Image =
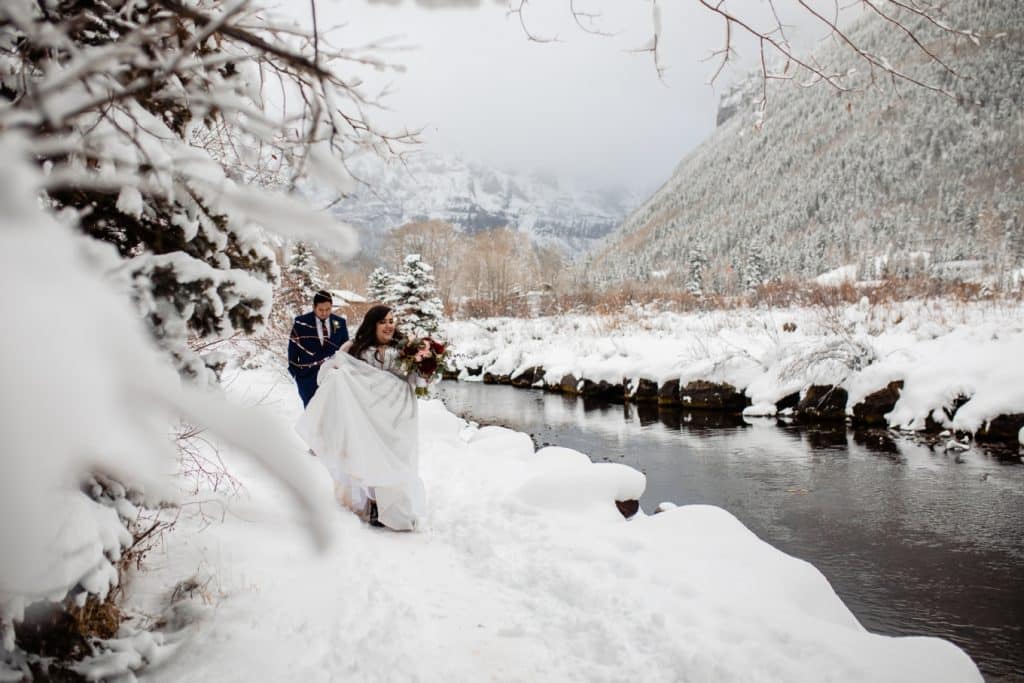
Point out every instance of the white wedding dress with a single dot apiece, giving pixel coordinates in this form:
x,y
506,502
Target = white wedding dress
x,y
362,423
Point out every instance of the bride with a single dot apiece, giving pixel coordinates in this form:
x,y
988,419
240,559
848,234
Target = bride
x,y
362,422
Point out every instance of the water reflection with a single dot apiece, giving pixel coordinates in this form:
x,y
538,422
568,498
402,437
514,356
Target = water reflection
x,y
915,541
876,441
828,436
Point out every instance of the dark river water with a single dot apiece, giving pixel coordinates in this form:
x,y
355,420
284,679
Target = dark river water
x,y
915,541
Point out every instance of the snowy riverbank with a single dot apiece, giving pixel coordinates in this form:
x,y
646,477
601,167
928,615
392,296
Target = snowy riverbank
x,y
525,570
960,364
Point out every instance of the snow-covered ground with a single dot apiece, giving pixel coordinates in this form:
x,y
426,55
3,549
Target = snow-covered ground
x,y
523,571
940,349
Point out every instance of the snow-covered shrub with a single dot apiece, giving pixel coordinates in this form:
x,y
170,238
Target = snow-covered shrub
x,y
828,360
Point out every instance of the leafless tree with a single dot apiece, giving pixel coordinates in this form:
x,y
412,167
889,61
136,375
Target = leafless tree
x,y
498,267
437,242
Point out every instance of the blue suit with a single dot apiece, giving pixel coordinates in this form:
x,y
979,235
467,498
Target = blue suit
x,y
306,353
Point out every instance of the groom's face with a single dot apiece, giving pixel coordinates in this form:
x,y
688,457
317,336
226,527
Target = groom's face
x,y
322,310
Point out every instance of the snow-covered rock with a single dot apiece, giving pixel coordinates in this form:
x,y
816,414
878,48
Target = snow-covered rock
x,y
950,356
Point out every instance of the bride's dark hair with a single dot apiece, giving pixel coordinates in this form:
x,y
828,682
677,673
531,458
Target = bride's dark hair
x,y
366,335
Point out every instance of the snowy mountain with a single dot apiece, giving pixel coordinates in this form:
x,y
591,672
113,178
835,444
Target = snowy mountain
x,y
833,179
473,198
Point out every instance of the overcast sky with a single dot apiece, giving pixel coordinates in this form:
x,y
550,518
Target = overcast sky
x,y
583,108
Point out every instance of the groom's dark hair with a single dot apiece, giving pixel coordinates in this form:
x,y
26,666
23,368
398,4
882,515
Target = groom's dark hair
x,y
323,296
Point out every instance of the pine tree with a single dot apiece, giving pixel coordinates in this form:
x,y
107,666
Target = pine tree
x,y
302,278
1014,238
695,281
378,288
866,266
753,268
415,299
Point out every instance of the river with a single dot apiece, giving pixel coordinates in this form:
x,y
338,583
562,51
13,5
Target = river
x,y
915,540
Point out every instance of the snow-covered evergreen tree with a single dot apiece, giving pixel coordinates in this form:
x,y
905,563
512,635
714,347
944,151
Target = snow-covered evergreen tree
x,y
1014,236
414,297
695,280
302,278
753,268
378,286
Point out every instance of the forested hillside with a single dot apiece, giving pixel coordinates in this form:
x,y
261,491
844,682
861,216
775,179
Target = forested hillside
x,y
897,180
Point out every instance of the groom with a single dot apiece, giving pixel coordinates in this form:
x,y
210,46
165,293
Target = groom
x,y
315,337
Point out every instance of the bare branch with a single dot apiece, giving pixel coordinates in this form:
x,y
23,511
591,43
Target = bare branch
x,y
910,34
589,17
316,33
726,53
288,57
774,40
518,12
766,39
872,59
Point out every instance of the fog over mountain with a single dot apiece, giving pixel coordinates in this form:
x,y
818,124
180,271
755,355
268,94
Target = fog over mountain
x,y
473,197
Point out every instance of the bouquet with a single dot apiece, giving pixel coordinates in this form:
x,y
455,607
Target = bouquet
x,y
424,356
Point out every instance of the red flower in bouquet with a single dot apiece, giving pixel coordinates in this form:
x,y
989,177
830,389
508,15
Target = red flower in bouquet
x,y
424,355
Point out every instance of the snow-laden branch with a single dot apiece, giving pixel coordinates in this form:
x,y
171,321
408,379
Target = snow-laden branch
x,y
94,399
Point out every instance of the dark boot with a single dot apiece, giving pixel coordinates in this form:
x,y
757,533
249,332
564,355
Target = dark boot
x,y
373,514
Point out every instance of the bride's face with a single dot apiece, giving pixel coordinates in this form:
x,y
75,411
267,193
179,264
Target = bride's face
x,y
386,329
